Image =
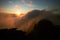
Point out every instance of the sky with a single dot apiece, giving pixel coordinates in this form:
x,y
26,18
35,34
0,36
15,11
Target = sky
x,y
26,5
32,17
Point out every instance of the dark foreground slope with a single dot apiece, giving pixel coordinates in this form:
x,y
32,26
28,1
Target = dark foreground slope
x,y
45,30
12,34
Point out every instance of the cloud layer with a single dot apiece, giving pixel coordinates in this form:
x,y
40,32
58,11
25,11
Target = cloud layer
x,y
27,22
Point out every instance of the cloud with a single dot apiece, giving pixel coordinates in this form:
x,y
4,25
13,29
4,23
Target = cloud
x,y
14,9
17,8
30,4
29,20
7,21
23,1
11,2
2,9
33,14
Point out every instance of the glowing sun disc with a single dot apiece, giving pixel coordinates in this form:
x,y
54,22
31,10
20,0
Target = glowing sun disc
x,y
18,13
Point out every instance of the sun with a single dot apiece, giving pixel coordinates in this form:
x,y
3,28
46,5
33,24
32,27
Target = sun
x,y
18,13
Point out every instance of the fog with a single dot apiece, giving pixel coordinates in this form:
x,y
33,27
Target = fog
x,y
27,22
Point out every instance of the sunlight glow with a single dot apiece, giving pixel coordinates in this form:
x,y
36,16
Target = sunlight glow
x,y
18,13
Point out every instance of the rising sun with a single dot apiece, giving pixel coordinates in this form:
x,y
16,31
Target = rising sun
x,y
18,13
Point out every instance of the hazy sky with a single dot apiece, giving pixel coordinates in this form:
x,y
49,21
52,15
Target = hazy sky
x,y
25,5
